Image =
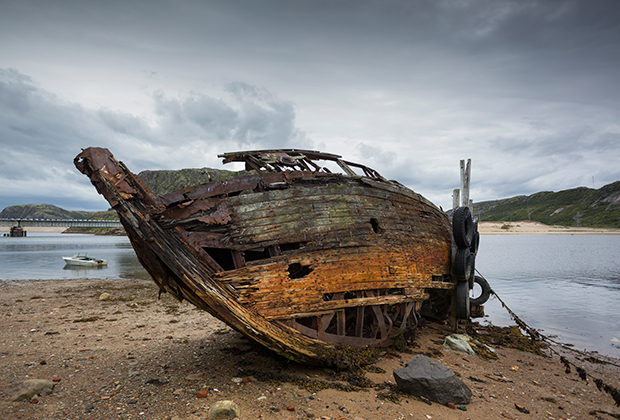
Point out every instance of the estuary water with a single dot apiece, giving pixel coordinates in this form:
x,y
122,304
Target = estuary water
x,y
39,256
564,285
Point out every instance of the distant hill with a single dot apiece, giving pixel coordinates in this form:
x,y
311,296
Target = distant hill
x,y
160,182
48,211
578,206
163,182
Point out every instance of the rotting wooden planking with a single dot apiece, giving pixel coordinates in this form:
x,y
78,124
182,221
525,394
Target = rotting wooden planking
x,y
294,256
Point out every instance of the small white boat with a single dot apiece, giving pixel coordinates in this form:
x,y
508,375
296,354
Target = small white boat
x,y
84,260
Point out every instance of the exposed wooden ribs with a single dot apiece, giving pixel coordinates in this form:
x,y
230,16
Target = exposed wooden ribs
x,y
328,307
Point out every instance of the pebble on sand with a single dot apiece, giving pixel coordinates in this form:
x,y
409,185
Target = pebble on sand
x,y
26,389
105,297
223,410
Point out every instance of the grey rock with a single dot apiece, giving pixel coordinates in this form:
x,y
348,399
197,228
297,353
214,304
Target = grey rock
x,y
223,410
25,390
195,377
45,392
424,377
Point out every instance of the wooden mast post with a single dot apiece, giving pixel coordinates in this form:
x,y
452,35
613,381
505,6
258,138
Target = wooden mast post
x,y
465,180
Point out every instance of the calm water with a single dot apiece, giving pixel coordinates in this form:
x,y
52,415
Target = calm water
x,y
564,285
39,256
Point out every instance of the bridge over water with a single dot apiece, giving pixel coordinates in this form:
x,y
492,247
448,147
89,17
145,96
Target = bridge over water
x,y
17,224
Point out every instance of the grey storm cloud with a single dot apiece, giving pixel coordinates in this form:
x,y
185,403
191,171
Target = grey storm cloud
x,y
255,116
34,123
41,134
528,89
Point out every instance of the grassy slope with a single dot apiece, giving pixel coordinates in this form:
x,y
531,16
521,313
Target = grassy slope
x,y
594,208
48,211
163,182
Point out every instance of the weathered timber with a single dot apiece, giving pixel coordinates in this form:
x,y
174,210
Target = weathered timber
x,y
293,255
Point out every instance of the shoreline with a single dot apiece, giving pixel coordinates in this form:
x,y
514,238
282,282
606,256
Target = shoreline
x,y
526,227
48,229
67,230
134,356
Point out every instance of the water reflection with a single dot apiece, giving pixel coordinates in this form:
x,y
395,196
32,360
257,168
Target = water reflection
x,y
83,271
565,285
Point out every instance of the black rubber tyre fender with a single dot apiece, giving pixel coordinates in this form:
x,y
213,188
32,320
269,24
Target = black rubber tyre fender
x,y
472,274
462,227
485,294
462,300
475,243
463,261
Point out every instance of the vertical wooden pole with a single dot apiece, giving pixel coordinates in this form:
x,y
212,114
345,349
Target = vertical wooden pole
x,y
465,180
456,198
462,181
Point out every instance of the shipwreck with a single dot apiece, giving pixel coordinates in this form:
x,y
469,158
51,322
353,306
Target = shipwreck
x,y
295,255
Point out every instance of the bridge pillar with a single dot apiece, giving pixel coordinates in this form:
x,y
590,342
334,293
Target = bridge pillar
x,y
17,232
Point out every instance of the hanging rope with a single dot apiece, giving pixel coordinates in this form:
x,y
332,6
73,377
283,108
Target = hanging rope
x,y
535,335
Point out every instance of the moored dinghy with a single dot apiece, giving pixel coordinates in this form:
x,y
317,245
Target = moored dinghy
x,y
83,260
293,255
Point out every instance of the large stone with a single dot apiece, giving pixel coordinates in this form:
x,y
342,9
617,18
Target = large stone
x,y
424,377
26,389
223,410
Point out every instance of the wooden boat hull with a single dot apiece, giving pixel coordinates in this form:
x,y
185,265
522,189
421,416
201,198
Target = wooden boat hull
x,y
298,260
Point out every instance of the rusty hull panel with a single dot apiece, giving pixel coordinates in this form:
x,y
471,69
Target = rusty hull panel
x,y
295,259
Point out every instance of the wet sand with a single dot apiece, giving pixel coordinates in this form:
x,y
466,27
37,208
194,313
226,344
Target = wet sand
x,y
37,229
134,356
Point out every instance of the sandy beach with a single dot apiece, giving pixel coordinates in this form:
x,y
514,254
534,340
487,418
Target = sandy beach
x,y
528,227
133,356
4,229
485,228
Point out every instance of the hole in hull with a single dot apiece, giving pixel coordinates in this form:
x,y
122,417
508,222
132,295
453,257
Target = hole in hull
x,y
374,223
297,271
290,246
256,254
222,256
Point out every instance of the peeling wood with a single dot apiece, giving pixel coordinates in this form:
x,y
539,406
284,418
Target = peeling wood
x,y
294,256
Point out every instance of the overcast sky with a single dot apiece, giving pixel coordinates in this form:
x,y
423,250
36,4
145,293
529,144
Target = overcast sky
x,y
529,90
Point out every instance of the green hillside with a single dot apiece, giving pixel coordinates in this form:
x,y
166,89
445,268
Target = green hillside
x,y
48,211
578,206
575,207
163,182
